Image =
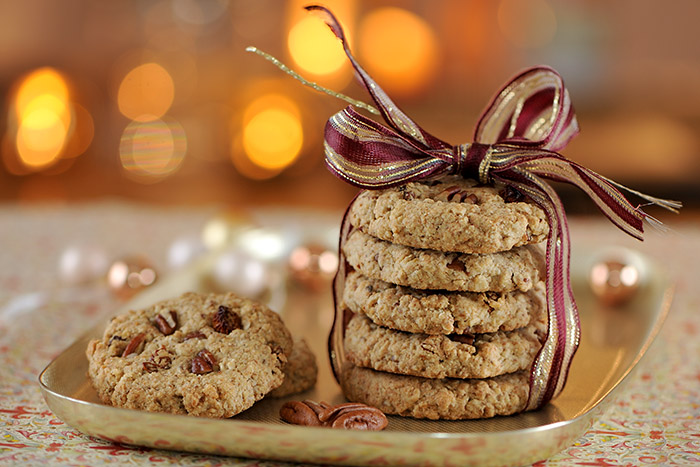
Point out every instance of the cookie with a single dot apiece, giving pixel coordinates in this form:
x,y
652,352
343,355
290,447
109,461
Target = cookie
x,y
516,269
300,372
450,214
430,312
449,399
205,355
438,356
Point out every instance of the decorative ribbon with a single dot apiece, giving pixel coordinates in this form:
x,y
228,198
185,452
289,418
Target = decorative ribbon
x,y
515,144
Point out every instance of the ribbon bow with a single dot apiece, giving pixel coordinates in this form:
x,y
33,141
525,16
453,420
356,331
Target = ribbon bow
x,y
515,144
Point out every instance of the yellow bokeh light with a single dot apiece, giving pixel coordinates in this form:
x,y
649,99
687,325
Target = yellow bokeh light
x,y
40,138
272,133
152,150
314,48
43,117
42,88
399,48
146,93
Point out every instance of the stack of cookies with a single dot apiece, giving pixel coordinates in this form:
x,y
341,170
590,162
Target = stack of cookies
x,y
447,300
211,355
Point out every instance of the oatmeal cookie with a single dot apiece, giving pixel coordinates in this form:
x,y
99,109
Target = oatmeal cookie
x,y
450,214
449,399
205,355
430,312
300,373
516,269
437,356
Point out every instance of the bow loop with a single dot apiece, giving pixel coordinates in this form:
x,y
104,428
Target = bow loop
x,y
534,109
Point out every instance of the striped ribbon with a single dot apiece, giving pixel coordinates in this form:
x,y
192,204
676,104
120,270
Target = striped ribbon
x,y
515,144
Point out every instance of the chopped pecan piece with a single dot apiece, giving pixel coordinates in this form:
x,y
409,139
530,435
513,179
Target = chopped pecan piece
x,y
203,362
457,265
511,195
465,338
134,344
166,324
225,320
160,360
195,335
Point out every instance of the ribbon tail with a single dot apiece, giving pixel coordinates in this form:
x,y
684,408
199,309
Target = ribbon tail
x,y
602,191
551,366
391,113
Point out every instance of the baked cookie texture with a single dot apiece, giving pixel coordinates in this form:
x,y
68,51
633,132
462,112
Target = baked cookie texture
x,y
450,214
205,355
440,312
300,373
448,399
517,269
454,356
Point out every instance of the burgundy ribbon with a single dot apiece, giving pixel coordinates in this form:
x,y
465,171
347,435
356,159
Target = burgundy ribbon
x,y
515,143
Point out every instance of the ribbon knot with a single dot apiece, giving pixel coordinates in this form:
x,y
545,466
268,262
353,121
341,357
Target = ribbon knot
x,y
515,144
473,160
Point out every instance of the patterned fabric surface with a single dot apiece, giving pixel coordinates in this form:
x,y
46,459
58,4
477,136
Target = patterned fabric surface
x,y
655,421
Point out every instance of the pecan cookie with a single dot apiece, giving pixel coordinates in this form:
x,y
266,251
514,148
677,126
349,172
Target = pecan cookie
x,y
449,399
431,312
300,373
450,214
206,355
437,356
516,269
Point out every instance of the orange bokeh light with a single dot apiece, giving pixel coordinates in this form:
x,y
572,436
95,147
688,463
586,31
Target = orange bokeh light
x,y
399,48
146,93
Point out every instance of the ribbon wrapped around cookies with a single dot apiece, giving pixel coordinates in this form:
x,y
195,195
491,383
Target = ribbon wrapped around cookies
x,y
515,144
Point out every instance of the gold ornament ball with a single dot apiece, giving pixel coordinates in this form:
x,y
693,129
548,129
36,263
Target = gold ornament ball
x,y
312,266
614,282
129,275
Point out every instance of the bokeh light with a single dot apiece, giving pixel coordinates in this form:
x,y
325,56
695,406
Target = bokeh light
x,y
42,116
272,133
399,48
314,48
150,151
146,93
527,24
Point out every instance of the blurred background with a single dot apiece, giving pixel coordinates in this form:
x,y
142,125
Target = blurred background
x,y
157,100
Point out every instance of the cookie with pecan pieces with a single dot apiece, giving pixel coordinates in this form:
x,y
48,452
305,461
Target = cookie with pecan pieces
x,y
517,269
450,214
445,399
205,355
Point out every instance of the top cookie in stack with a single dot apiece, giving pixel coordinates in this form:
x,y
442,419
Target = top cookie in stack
x,y
447,297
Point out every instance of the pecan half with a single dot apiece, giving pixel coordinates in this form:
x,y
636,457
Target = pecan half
x,y
352,415
134,344
166,324
225,320
360,418
299,413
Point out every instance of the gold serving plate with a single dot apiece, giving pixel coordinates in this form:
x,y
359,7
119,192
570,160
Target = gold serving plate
x,y
612,343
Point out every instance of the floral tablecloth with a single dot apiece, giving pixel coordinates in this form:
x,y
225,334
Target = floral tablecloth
x,y
656,420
